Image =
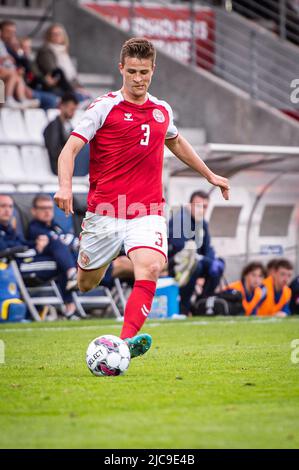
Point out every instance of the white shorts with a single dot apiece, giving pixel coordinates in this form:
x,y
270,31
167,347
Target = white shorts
x,y
102,238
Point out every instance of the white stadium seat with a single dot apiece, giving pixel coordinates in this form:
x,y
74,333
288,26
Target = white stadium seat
x,y
3,139
78,187
50,188
36,121
13,126
7,188
52,114
28,188
36,163
11,165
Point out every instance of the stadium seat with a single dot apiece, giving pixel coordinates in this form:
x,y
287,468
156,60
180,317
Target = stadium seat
x,y
52,114
11,164
28,188
36,163
98,298
7,188
78,186
36,294
13,126
35,120
3,139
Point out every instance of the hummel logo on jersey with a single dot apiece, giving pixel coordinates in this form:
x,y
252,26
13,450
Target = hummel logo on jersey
x,y
128,117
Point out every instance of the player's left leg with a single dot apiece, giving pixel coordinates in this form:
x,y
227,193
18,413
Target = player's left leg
x,y
146,246
148,265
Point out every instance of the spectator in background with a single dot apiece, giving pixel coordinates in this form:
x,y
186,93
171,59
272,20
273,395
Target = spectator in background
x,y
278,294
36,86
191,256
54,61
57,133
15,88
41,86
270,268
250,286
294,305
43,259
61,244
58,244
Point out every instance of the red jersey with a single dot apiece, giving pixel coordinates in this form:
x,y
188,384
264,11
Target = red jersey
x,y
126,154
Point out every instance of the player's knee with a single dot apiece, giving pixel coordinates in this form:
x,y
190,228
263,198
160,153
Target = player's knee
x,y
85,285
154,270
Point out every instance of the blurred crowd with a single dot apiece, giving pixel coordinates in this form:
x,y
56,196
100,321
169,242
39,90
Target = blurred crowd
x,y
260,290
37,79
46,250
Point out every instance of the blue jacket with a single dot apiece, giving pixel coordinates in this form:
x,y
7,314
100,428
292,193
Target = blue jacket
x,y
182,227
9,238
53,231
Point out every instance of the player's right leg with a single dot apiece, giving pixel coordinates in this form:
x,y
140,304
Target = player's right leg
x,y
100,243
89,279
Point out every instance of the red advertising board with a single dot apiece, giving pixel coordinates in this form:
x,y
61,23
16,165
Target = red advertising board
x,y
170,28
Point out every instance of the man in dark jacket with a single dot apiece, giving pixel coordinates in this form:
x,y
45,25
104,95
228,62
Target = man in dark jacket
x,y
58,244
43,258
191,255
57,133
64,245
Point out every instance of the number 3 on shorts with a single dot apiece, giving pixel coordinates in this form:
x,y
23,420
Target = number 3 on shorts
x,y
159,241
146,128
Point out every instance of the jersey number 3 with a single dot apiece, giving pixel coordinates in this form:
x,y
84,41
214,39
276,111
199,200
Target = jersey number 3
x,y
146,128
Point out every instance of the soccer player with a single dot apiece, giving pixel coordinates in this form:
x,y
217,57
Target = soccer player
x,y
127,130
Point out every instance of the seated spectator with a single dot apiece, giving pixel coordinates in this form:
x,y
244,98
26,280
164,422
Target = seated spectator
x,y
294,305
44,259
253,293
57,133
15,88
20,53
278,294
61,246
270,268
54,61
41,86
191,255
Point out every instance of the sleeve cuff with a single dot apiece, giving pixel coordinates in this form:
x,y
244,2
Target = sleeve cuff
x,y
171,138
80,137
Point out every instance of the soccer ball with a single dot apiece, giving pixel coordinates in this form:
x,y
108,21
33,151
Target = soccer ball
x,y
108,355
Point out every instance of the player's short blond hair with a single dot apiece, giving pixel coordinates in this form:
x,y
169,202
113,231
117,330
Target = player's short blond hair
x,y
138,47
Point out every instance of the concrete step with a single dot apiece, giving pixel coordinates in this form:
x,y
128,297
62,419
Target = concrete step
x,y
195,136
96,79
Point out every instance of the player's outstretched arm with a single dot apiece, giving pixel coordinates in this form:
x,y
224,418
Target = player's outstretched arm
x,y
64,195
181,148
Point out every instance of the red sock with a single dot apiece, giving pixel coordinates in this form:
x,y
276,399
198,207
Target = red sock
x,y
138,307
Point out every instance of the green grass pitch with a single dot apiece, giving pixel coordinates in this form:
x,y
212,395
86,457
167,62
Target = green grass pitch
x,y
215,383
